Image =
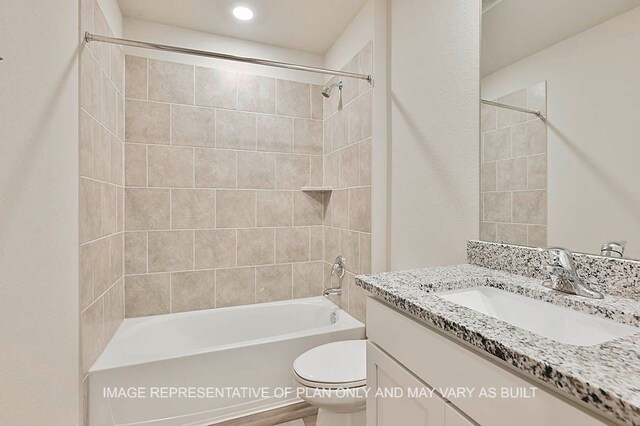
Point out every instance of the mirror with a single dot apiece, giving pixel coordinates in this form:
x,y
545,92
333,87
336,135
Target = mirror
x,y
570,176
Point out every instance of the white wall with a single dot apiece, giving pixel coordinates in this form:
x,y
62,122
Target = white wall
x,y
593,109
113,15
434,90
164,34
39,333
352,39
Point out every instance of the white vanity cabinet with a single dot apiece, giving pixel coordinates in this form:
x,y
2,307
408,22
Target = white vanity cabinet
x,y
405,353
386,407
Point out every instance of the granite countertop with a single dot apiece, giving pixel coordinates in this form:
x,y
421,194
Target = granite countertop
x,y
605,376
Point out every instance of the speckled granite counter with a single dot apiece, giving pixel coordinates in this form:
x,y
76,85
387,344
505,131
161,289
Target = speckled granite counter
x,y
605,376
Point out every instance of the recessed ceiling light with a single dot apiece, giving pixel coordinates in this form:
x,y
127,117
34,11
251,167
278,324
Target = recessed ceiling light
x,y
243,13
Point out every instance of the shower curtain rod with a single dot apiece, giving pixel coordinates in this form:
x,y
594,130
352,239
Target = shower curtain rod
x,y
515,108
88,37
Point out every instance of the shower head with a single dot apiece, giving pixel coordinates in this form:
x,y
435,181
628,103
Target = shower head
x,y
326,90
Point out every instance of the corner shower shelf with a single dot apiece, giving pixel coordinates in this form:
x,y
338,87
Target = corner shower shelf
x,y
316,188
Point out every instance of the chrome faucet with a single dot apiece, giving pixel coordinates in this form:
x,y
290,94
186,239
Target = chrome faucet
x,y
613,249
563,276
338,268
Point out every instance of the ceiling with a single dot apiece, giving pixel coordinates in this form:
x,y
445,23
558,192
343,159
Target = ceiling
x,y
515,29
306,25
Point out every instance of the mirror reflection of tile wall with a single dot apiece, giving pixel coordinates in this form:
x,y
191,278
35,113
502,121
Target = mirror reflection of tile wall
x,y
513,171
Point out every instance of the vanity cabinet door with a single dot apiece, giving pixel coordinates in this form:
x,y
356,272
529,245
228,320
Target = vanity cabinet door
x,y
385,375
453,417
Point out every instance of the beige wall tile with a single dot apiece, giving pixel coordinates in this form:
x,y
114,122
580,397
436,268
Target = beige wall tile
x,y
120,209
316,172
350,249
87,267
215,248
109,99
316,243
365,161
85,145
120,117
511,233
235,287
511,174
170,251
497,206
135,164
171,82
497,145
537,171
316,102
193,208
360,209
101,50
537,235
116,161
332,169
292,171
147,295
307,208
90,212
488,118
146,122
331,244
307,279
488,231
102,272
488,176
235,129
274,208
193,126
339,129
349,166
365,253
256,170
216,88
135,252
275,133
351,88
339,202
308,136
146,208
357,300
235,209
530,138
255,246
192,291
360,118
116,254
101,152
507,117
327,143
273,283
294,99
215,168
109,206
136,77
113,309
530,207
170,166
91,334
256,93
292,245
90,85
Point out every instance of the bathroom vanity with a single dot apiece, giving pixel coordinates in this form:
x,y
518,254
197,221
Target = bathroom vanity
x,y
453,332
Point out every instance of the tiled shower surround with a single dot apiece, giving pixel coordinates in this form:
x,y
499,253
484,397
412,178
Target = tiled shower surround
x,y
214,165
513,177
101,190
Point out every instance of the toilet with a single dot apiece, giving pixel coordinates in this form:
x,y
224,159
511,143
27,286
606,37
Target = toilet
x,y
333,377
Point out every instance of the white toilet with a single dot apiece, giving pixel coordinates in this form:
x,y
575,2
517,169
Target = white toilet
x,y
334,377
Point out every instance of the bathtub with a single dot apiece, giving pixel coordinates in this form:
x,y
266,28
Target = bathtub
x,y
202,367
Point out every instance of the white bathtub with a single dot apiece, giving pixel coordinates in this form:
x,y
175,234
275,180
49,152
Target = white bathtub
x,y
206,353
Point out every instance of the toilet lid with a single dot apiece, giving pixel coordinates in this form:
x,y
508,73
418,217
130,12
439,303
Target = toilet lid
x,y
338,363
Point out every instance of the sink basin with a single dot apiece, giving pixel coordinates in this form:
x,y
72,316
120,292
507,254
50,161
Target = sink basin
x,y
545,319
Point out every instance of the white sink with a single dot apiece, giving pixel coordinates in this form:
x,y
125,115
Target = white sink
x,y
545,319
